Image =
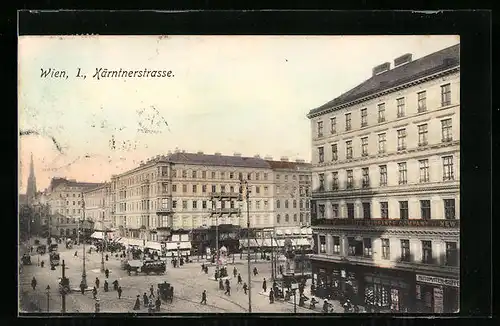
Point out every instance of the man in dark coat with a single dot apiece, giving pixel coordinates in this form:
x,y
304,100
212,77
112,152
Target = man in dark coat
x,y
204,297
245,288
271,296
264,285
137,305
120,292
239,278
145,299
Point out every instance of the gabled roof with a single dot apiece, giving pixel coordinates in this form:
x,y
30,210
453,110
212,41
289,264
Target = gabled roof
x,y
217,160
428,65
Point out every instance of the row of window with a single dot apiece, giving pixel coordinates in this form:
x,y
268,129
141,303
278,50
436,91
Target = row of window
x,y
364,248
446,133
302,203
303,218
423,166
68,211
425,210
401,111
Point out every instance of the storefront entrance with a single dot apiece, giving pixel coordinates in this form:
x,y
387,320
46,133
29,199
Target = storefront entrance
x,y
436,294
386,293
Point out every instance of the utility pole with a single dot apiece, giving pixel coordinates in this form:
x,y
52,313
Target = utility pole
x,y
48,298
102,248
63,292
84,274
247,197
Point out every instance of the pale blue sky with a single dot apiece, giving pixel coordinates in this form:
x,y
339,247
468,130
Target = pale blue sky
x,y
247,94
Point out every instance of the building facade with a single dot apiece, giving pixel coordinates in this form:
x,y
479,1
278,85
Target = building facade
x,y
385,178
181,192
64,198
97,206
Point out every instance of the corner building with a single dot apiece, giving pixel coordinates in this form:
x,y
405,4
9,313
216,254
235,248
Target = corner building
x,y
385,201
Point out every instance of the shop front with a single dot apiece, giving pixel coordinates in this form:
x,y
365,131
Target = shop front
x,y
436,294
375,288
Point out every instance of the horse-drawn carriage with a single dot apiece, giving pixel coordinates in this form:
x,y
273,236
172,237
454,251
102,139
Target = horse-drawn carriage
x,y
26,259
166,292
147,267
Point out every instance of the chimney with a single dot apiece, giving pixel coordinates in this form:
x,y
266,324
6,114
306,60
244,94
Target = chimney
x,y
405,58
269,158
237,154
200,152
256,156
381,68
284,159
217,153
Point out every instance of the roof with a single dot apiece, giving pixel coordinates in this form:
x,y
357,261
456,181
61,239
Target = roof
x,y
55,182
217,160
425,66
98,187
279,165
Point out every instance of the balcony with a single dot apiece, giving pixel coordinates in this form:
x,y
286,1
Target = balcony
x,y
164,210
229,211
145,181
387,222
228,195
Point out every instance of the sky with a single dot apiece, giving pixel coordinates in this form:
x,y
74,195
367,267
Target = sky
x,y
227,94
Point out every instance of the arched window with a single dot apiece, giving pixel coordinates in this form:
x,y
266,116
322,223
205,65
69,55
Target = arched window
x,y
287,218
278,205
278,218
286,203
294,204
295,217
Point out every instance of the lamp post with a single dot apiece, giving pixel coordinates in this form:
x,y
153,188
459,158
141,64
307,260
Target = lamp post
x,y
294,287
247,197
84,274
48,298
214,207
102,247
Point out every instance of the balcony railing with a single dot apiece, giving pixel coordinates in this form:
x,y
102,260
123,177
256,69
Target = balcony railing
x,y
387,222
224,195
164,210
224,210
145,181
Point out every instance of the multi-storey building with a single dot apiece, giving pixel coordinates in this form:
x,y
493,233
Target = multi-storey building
x,y
97,205
178,192
65,199
385,202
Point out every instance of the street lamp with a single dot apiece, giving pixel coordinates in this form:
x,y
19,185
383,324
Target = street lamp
x,y
102,247
294,287
247,197
48,297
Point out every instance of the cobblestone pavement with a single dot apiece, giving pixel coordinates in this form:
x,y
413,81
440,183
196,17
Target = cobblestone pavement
x,y
188,282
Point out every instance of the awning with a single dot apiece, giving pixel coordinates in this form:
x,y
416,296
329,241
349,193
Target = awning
x,y
296,231
309,231
181,245
97,235
244,243
288,232
281,242
266,243
117,240
131,242
279,232
303,242
153,245
303,231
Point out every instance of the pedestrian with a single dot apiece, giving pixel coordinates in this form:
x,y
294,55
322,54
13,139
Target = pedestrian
x,y
76,254
203,267
82,287
206,269
235,272
158,304
33,283
94,292
106,272
245,287
119,292
271,296
145,298
151,307
107,257
221,285
97,282
228,290
97,306
255,272
106,286
115,285
204,297
227,282
326,305
239,278
264,285
137,305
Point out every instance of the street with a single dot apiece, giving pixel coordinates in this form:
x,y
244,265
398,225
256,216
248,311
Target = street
x,y
188,282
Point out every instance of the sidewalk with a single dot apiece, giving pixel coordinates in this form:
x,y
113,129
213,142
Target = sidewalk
x,y
337,306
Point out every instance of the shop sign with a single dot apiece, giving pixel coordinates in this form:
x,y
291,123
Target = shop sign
x,y
437,280
342,273
438,300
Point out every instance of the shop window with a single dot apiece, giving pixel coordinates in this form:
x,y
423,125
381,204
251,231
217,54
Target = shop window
x,y
322,241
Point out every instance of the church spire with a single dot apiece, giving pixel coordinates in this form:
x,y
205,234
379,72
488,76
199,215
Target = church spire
x,y
31,186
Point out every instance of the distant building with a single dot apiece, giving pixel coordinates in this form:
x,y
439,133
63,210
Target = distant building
x,y
31,185
98,206
173,193
386,187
